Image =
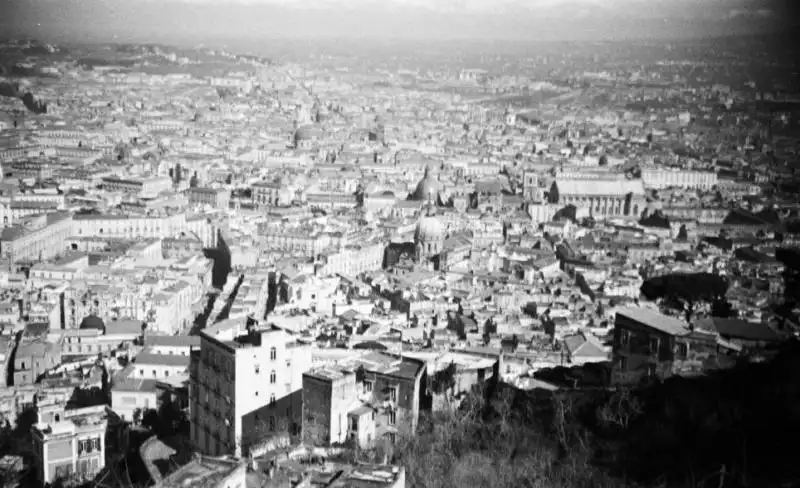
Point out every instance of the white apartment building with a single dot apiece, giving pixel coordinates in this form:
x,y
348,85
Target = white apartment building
x,y
246,386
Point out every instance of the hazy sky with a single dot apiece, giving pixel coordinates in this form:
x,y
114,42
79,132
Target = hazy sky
x,y
215,20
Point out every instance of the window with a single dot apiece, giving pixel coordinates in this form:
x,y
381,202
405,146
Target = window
x,y
655,345
392,417
682,351
141,372
272,400
154,373
368,386
623,363
258,369
651,370
63,471
393,394
288,363
273,377
273,354
392,437
624,337
271,422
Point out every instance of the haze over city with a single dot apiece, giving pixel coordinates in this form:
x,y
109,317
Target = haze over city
x,y
243,21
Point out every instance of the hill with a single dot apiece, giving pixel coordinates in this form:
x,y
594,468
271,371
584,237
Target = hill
x,y
734,428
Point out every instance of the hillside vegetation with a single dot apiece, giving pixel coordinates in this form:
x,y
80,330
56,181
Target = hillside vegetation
x,y
734,428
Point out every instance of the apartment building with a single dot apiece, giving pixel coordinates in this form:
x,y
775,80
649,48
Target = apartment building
x,y
246,386
664,178
650,345
367,399
36,238
353,259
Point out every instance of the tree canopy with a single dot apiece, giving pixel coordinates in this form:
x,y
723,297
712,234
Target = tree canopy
x,y
731,428
685,290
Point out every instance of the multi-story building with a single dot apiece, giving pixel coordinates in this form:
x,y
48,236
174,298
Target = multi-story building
x,y
308,242
610,198
35,355
37,238
149,186
353,259
130,227
213,197
366,399
648,344
68,443
246,386
6,350
267,194
663,178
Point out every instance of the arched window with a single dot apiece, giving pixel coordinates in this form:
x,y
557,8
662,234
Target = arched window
x,y
273,377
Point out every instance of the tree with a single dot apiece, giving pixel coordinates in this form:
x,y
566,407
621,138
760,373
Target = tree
x,y
686,291
137,416
723,308
603,160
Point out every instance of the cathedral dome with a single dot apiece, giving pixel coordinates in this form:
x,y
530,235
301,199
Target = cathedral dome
x,y
427,189
429,229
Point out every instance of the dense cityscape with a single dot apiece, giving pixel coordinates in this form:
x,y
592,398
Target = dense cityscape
x,y
522,267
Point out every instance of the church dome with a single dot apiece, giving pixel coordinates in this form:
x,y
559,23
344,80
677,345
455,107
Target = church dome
x,y
93,322
427,189
429,229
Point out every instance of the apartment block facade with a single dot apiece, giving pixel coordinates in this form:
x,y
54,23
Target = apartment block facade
x,y
246,387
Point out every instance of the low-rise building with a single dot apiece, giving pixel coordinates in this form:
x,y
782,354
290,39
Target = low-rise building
x,y
69,443
367,399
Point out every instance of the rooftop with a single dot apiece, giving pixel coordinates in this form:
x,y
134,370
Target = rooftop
x,y
374,362
656,320
203,471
